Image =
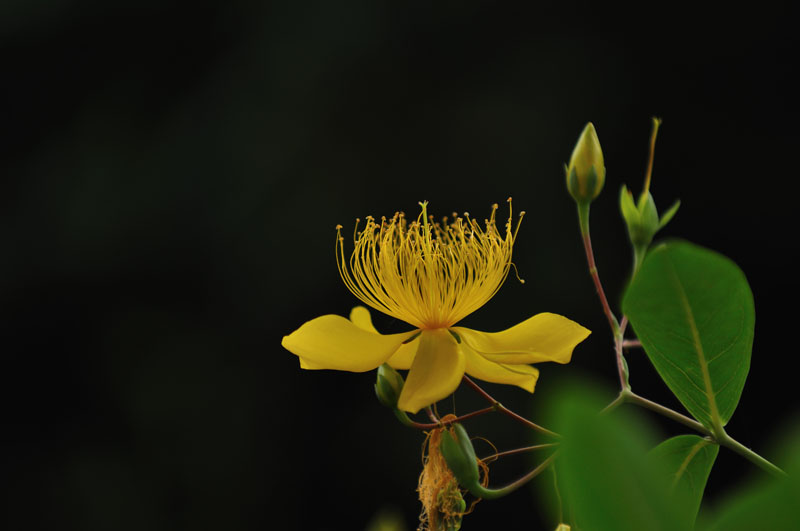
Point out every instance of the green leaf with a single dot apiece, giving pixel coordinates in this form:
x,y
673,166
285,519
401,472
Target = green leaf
x,y
687,459
767,503
693,311
609,482
769,506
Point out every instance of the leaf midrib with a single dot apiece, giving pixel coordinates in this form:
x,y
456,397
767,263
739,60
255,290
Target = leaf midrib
x,y
710,396
685,464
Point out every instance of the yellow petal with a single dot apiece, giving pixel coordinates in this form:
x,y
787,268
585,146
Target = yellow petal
x,y
309,365
333,342
361,317
404,357
543,337
435,373
523,376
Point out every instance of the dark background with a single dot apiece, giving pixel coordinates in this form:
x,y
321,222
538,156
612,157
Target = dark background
x,y
172,175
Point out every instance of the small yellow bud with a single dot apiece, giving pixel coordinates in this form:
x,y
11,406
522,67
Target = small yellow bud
x,y
586,172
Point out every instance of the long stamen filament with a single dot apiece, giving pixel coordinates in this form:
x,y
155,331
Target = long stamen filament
x,y
427,273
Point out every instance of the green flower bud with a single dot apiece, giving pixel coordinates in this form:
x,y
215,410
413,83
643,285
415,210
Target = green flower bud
x,y
388,385
586,172
642,220
460,457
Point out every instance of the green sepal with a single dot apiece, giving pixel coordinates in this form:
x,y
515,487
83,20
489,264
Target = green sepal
x,y
573,186
388,385
669,214
628,208
586,189
649,219
460,457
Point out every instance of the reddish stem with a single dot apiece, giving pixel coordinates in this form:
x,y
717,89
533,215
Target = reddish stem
x,y
519,451
587,246
501,408
441,423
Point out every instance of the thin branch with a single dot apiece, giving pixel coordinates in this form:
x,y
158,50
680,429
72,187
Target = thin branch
x,y
515,451
728,442
622,371
722,439
442,423
501,408
633,398
490,494
587,246
432,415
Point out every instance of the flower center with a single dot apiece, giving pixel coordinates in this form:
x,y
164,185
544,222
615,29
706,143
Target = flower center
x,y
426,273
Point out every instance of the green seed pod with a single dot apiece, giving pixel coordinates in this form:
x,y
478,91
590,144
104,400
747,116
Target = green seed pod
x,y
460,457
388,385
586,172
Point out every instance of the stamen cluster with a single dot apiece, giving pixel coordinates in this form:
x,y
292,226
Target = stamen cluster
x,y
427,273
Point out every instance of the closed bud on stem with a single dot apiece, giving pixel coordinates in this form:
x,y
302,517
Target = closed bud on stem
x,y
586,172
460,457
641,218
388,385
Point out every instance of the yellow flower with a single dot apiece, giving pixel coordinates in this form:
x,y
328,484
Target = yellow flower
x,y
431,276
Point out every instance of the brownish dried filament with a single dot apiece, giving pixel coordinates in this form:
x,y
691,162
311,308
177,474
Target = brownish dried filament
x,y
443,504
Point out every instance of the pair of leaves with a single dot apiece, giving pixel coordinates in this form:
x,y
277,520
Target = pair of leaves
x,y
612,481
692,310
771,502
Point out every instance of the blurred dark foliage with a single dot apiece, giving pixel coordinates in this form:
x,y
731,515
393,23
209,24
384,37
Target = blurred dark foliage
x,y
172,174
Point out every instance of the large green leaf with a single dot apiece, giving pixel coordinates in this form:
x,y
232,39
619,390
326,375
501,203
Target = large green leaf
x,y
692,309
608,481
687,459
772,505
769,502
